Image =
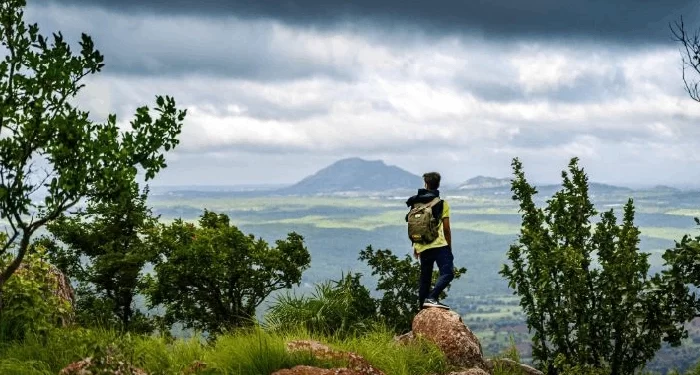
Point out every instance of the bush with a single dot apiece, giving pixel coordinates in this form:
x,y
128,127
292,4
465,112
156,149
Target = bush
x,y
35,300
60,347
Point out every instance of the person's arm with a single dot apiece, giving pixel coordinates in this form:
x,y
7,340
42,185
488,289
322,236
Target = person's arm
x,y
448,232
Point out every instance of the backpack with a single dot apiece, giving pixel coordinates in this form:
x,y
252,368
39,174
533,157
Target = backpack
x,y
422,225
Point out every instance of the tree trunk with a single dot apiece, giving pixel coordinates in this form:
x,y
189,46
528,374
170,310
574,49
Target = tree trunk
x,y
15,263
2,285
126,318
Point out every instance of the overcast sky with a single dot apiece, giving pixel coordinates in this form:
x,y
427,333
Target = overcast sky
x,y
276,90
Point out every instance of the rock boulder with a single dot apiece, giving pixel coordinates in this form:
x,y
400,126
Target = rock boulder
x,y
446,329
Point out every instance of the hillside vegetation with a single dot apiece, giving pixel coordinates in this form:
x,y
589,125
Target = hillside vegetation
x,y
246,352
92,278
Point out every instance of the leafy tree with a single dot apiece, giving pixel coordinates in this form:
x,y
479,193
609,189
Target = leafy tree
x,y
107,246
681,273
683,261
51,154
398,280
213,277
585,316
337,307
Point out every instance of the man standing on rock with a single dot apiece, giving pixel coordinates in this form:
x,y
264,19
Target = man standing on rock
x,y
429,231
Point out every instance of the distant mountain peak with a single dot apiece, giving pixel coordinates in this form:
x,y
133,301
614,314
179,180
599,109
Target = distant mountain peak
x,y
355,162
355,174
484,182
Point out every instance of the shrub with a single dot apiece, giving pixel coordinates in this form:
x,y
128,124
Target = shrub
x,y
36,300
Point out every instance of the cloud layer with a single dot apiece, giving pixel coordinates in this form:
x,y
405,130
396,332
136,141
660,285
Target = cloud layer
x,y
619,19
272,101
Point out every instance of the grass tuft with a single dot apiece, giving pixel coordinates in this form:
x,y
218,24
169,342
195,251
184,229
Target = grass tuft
x,y
249,352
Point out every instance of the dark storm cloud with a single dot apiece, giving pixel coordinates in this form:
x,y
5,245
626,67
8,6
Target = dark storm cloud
x,y
633,20
149,45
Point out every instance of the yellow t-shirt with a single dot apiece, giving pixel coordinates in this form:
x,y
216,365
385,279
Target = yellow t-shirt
x,y
440,241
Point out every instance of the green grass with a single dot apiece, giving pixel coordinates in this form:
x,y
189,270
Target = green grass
x,y
47,355
379,348
247,352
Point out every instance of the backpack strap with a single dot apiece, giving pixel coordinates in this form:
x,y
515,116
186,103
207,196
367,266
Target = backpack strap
x,y
433,202
430,204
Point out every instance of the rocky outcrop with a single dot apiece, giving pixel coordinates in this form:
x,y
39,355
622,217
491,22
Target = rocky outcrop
x,y
110,365
356,363
57,283
446,329
471,371
195,367
512,366
461,347
309,370
105,366
405,338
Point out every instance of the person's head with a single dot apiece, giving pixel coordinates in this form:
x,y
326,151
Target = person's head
x,y
432,180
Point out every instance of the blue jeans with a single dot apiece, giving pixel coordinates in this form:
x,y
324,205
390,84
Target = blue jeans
x,y
444,259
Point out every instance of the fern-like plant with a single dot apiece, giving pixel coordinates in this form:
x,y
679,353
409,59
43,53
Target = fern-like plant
x,y
336,307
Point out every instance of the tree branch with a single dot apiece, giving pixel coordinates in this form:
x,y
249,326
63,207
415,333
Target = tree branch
x,y
65,95
27,232
43,181
9,242
691,47
14,265
10,80
64,206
